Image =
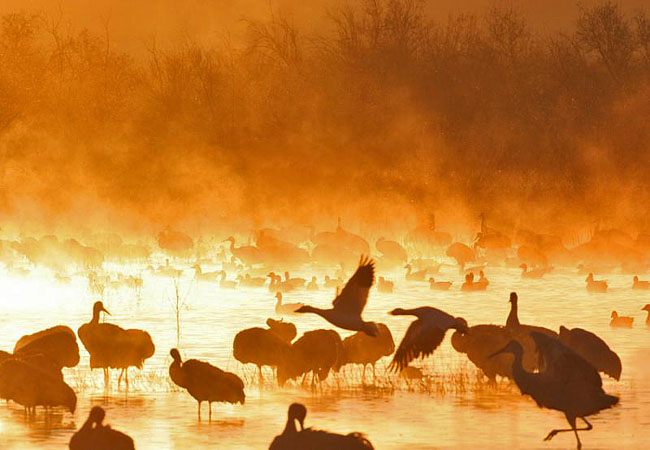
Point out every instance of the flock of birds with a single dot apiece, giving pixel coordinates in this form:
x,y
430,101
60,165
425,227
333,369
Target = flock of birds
x,y
558,370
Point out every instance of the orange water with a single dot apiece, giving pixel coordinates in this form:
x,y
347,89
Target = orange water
x,y
158,416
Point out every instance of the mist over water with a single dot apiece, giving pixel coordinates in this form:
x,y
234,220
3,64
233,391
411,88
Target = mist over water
x,y
373,111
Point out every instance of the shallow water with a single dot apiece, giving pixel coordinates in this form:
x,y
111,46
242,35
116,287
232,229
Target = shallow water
x,y
444,415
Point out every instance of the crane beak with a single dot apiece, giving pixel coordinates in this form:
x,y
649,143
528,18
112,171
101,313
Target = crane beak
x,y
105,310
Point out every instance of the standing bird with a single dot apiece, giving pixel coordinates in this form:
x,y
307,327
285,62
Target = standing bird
x,y
93,435
568,383
316,351
461,253
363,349
391,250
285,308
261,347
113,347
30,386
205,382
425,334
621,321
349,304
247,254
308,438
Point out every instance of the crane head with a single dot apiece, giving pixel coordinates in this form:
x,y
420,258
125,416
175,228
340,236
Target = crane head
x,y
461,325
99,307
646,308
297,411
513,298
174,353
97,415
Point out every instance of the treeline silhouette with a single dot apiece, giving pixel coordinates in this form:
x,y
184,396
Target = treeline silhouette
x,y
384,108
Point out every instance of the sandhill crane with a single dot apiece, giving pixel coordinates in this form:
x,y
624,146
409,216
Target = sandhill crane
x,y
175,242
481,342
113,347
349,304
461,253
247,254
93,435
425,334
205,382
30,386
595,285
205,276
391,250
385,286
363,349
647,319
420,275
593,349
533,274
568,383
621,321
636,284
284,330
315,351
285,308
439,285
58,343
313,285
308,438
261,347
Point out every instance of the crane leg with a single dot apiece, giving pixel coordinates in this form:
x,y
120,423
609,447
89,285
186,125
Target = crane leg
x,y
374,374
106,378
126,371
199,411
363,375
572,422
210,413
119,378
261,380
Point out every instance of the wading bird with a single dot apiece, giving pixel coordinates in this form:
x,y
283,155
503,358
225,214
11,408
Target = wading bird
x,y
349,304
308,438
59,344
568,383
113,347
593,349
284,330
261,347
247,254
363,349
205,382
30,386
425,334
316,351
93,435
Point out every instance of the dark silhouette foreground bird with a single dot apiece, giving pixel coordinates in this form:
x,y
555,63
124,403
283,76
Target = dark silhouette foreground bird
x,y
93,435
425,334
262,347
568,382
111,346
30,386
349,304
310,439
205,382
363,349
316,351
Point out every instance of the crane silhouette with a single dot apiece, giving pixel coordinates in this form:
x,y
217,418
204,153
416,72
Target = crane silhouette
x,y
568,382
205,382
349,304
425,334
111,346
308,438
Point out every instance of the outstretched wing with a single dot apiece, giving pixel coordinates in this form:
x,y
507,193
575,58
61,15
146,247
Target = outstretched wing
x,y
354,295
563,364
420,340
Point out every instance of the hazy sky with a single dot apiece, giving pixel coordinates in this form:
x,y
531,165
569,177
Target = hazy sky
x,y
133,23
